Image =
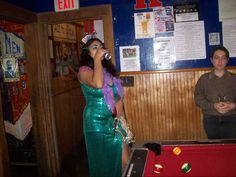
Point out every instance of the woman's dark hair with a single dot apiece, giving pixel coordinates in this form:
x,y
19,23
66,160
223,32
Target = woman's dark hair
x,y
220,48
87,60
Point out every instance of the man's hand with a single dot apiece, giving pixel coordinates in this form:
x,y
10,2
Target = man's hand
x,y
224,107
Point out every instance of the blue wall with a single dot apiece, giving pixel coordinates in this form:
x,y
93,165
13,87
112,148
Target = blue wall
x,y
123,14
124,33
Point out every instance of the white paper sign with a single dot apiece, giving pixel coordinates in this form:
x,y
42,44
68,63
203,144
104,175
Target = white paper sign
x,y
190,40
214,38
144,25
227,9
164,50
129,58
229,36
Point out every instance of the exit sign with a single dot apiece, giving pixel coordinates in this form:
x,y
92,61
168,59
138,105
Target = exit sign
x,y
66,5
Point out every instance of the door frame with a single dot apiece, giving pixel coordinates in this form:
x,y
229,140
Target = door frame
x,y
40,78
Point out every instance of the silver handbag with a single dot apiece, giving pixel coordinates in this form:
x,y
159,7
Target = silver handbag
x,y
121,126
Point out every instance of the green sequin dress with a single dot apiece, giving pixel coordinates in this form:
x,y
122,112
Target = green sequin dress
x,y
104,148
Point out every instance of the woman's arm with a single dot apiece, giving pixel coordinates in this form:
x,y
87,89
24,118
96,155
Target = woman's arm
x,y
93,78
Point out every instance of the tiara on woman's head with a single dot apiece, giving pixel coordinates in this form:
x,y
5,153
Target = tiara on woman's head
x,y
88,36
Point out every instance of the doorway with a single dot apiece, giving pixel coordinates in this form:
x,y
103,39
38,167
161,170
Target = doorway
x,y
57,104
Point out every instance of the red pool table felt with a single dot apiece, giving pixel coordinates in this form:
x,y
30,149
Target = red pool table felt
x,y
205,160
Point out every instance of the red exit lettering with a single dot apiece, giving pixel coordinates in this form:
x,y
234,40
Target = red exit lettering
x,y
140,4
65,4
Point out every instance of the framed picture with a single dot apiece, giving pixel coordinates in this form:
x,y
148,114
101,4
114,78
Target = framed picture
x,y
10,69
65,61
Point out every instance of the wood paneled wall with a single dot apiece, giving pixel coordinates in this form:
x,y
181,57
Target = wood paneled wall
x,y
161,105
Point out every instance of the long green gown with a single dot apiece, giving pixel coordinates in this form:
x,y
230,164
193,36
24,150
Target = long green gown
x,y
104,148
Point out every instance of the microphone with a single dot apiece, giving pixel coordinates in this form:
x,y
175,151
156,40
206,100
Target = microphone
x,y
107,55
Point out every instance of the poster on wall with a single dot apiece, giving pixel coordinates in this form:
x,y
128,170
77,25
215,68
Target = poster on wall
x,y
144,25
15,92
66,60
98,27
227,9
22,127
164,19
229,35
190,40
10,69
11,44
214,38
64,31
129,58
184,13
91,26
164,51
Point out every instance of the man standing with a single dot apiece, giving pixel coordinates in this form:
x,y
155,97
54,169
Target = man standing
x,y
215,94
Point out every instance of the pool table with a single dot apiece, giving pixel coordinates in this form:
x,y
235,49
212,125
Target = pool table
x,y
184,158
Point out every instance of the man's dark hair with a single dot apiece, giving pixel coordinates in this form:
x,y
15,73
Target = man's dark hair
x,y
220,48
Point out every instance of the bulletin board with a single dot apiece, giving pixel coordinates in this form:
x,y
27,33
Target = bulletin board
x,y
124,34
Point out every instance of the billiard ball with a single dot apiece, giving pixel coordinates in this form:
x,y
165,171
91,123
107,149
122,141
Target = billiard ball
x,y
176,151
186,167
157,168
